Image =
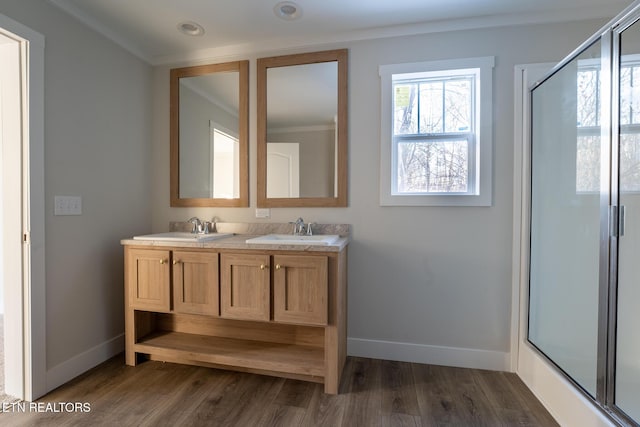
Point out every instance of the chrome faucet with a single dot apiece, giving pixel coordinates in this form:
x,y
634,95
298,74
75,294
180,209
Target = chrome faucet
x,y
298,227
196,225
201,227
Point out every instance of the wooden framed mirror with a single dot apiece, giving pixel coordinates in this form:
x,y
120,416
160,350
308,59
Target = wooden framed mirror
x,y
209,122
302,130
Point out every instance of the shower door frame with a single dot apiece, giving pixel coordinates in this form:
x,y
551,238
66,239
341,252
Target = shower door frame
x,y
610,217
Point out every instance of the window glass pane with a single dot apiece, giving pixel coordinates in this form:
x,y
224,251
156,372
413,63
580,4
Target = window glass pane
x,y
457,106
433,166
405,108
431,94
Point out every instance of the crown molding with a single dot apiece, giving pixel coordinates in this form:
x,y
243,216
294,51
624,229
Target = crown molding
x,y
301,42
291,43
208,97
100,28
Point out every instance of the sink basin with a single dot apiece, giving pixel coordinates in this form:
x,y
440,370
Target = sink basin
x,y
290,239
177,236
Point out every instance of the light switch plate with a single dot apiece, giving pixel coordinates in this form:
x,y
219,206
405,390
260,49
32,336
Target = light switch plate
x,y
263,213
67,205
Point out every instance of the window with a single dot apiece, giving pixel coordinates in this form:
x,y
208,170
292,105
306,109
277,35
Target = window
x,y
436,133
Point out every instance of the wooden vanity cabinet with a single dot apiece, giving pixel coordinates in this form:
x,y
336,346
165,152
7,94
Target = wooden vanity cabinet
x,y
280,313
300,289
245,290
195,282
148,279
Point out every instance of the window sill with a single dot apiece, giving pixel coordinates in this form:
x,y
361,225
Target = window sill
x,y
435,200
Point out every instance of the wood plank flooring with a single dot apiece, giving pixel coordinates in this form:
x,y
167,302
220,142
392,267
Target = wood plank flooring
x,y
373,393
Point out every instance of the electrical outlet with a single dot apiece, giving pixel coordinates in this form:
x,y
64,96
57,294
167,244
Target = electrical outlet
x,y
67,205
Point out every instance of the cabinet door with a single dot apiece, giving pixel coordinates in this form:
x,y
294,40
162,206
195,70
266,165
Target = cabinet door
x,y
195,282
300,289
148,279
245,287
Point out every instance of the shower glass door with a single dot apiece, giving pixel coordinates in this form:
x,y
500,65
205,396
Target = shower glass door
x,y
584,272
627,372
565,217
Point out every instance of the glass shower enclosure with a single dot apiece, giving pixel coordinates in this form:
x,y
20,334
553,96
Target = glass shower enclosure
x,y
584,273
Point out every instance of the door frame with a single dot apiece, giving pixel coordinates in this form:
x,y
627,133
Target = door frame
x,y
28,381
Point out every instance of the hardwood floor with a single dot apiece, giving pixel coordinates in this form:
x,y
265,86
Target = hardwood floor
x,y
373,393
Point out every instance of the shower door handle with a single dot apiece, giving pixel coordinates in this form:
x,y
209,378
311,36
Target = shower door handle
x,y
616,221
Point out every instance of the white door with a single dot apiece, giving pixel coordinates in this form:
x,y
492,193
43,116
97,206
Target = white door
x,y
22,76
283,169
11,173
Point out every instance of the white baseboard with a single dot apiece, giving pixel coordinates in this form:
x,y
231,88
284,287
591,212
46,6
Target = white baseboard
x,y
429,354
68,370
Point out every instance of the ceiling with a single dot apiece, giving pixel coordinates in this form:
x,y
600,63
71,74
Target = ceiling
x,y
148,28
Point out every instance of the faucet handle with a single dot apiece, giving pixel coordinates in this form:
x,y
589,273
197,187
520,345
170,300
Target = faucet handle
x,y
206,227
309,230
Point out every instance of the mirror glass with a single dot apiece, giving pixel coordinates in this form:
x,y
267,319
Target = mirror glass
x,y
209,135
302,138
302,130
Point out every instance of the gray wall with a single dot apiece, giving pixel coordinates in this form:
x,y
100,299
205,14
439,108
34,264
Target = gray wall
x,y
97,145
429,277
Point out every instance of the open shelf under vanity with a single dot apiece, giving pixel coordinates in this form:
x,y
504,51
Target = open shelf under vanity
x,y
284,350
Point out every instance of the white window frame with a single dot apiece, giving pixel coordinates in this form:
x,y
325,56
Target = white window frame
x,y
481,195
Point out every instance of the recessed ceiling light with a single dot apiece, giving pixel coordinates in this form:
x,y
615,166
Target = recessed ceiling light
x,y
287,10
190,28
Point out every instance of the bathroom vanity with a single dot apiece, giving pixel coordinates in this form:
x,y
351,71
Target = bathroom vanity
x,y
268,308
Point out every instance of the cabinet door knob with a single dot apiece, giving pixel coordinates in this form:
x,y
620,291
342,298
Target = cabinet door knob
x,y
262,266
162,261
176,261
278,266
